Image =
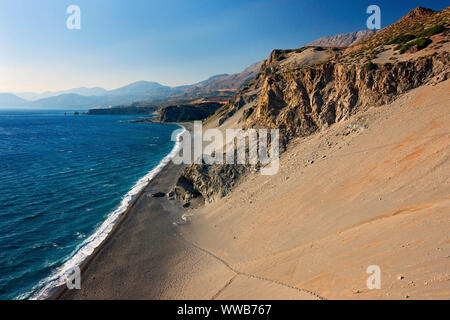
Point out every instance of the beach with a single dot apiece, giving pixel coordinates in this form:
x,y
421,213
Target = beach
x,y
147,256
299,234
131,261
147,225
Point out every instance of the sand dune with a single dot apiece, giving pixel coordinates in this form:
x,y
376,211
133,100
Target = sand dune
x,y
372,190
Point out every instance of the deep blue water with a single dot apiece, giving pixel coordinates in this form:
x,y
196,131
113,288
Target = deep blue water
x,y
61,177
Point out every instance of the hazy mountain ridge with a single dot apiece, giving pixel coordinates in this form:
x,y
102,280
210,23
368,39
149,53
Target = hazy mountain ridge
x,y
9,99
232,82
343,39
140,91
83,91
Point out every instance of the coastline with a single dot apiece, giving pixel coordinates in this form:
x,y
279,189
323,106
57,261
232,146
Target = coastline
x,y
293,244
163,170
152,254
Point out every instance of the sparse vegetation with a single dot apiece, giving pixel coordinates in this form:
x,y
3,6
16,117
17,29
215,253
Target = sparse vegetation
x,y
372,55
248,113
421,44
223,110
432,31
402,39
280,58
319,49
370,66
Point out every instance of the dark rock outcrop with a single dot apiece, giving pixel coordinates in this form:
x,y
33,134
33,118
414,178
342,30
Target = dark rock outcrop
x,y
128,109
212,182
188,112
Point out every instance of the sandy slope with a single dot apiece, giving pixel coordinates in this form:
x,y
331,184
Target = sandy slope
x,y
376,193
373,190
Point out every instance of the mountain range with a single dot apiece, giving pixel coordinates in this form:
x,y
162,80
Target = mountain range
x,y
83,91
343,39
84,98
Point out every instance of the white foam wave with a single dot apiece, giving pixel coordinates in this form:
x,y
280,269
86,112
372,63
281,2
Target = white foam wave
x,y
47,286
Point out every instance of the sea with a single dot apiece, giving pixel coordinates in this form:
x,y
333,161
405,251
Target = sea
x,y
65,179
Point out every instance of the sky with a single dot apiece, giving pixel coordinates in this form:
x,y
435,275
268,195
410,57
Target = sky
x,y
173,42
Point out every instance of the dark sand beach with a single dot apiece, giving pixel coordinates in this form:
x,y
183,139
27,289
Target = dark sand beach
x,y
132,261
149,256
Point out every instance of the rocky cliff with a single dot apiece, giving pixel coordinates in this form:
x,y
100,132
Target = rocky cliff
x,y
211,182
304,90
189,112
303,101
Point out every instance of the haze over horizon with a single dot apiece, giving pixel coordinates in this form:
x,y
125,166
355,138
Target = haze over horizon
x,y
121,43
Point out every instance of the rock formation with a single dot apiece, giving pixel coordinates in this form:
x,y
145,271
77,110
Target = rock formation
x,y
304,90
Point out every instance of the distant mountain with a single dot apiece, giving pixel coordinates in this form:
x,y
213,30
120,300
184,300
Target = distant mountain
x,y
210,79
66,101
95,91
83,91
223,85
231,82
84,98
10,100
76,101
343,39
142,89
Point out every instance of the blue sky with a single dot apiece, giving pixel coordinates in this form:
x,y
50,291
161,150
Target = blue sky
x,y
173,42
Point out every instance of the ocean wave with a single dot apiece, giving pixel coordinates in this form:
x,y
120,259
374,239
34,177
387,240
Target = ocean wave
x,y
46,287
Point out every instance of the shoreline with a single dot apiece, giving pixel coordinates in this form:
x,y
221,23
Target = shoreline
x,y
168,168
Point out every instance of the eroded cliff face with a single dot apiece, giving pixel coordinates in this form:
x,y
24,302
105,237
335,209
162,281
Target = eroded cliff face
x,y
212,182
300,102
303,101
305,90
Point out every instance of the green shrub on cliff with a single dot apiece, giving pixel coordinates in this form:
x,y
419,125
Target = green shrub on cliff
x,y
402,39
421,44
432,31
370,66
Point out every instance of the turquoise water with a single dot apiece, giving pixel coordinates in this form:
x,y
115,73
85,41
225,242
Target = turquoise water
x,y
64,180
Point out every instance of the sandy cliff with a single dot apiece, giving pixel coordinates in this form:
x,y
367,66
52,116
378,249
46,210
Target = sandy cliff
x,y
306,90
363,177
